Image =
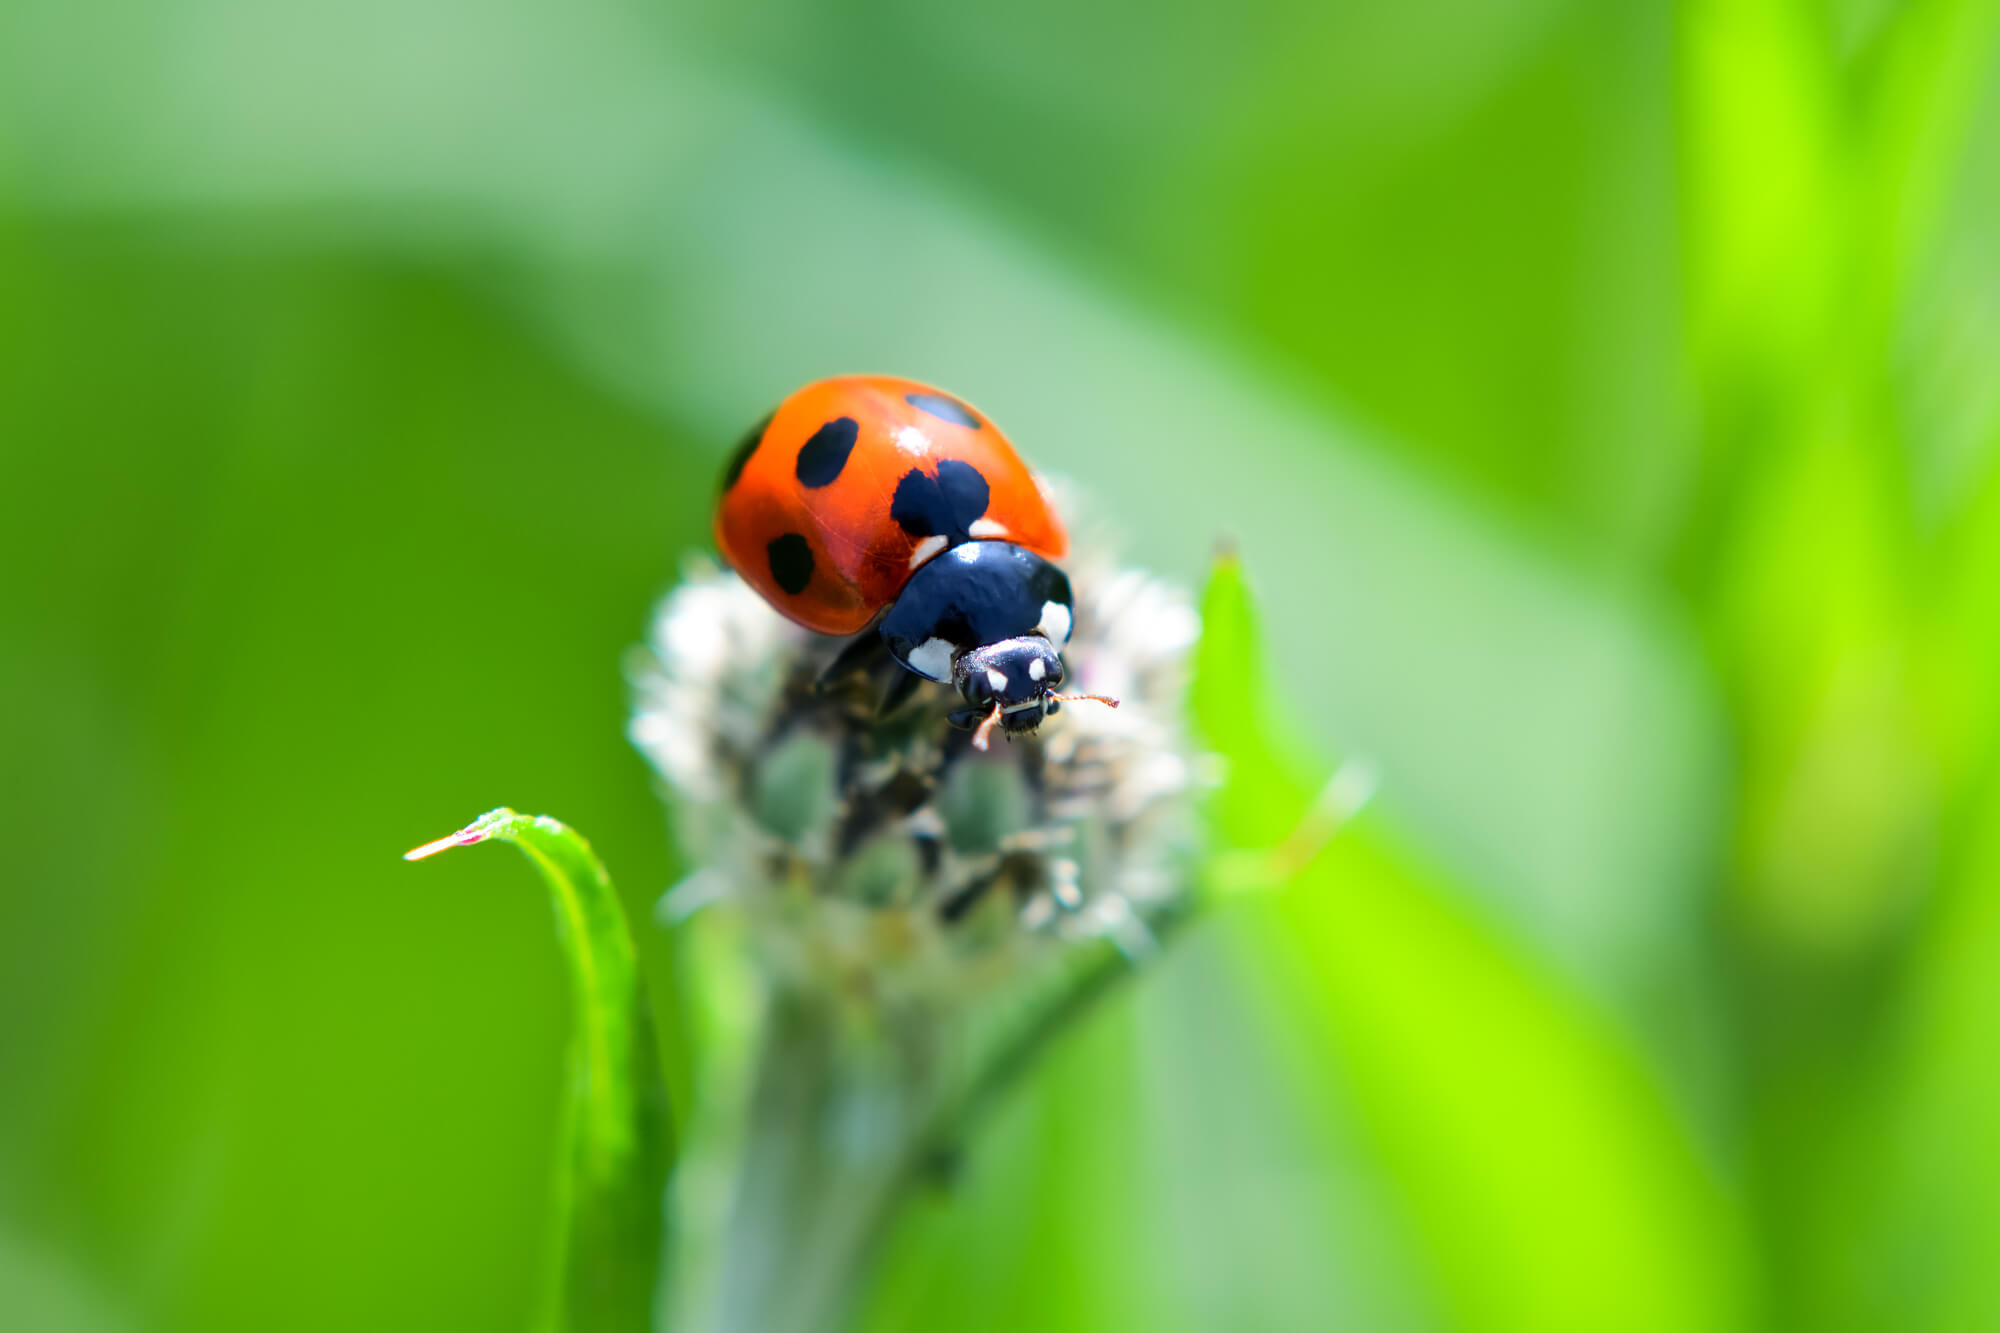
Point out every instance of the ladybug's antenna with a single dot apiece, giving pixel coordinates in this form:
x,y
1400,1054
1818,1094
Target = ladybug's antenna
x,y
1104,699
985,732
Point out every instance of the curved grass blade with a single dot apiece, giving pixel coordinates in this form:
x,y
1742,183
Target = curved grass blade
x,y
1547,1180
613,1153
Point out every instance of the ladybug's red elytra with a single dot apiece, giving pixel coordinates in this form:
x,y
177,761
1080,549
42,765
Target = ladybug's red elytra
x,y
882,507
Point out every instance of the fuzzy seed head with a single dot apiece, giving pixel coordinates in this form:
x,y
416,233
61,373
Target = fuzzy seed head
x,y
880,855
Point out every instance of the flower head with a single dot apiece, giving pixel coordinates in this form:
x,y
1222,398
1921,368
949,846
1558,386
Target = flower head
x,y
882,853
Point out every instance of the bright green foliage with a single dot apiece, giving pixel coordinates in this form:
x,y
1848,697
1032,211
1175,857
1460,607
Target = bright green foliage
x,y
1265,787
1601,396
612,1152
1486,1089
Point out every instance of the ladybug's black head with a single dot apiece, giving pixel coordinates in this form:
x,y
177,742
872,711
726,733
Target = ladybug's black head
x,y
990,618
1018,676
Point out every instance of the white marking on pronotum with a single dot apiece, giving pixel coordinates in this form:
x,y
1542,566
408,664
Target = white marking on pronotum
x,y
996,678
926,548
985,529
1055,622
932,658
1037,669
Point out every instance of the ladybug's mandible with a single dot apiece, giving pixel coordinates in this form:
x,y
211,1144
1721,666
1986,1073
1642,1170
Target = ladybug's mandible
x,y
868,503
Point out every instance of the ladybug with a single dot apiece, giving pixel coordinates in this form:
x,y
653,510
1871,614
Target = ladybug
x,y
887,509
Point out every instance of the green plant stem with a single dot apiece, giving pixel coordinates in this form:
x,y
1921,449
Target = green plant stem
x,y
837,1135
828,1146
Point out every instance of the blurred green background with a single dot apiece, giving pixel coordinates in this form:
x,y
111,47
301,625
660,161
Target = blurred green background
x,y
1605,398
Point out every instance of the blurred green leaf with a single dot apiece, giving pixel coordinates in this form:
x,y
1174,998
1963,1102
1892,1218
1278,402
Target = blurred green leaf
x,y
1552,1185
1920,1242
257,569
1839,231
613,1153
38,1290
1260,799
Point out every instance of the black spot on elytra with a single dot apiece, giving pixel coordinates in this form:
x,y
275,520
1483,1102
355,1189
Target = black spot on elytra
x,y
744,448
791,560
823,456
946,505
944,408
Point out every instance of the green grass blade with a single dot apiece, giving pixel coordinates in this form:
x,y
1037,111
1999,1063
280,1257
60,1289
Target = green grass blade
x,y
613,1153
1267,772
1546,1180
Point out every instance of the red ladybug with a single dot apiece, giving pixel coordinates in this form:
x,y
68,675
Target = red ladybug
x,y
871,503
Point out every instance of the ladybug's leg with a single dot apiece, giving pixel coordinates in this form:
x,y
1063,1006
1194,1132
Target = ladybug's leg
x,y
864,652
900,689
962,899
984,732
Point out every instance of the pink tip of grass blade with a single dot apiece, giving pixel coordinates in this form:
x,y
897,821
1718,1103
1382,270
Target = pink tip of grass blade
x,y
465,837
479,830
